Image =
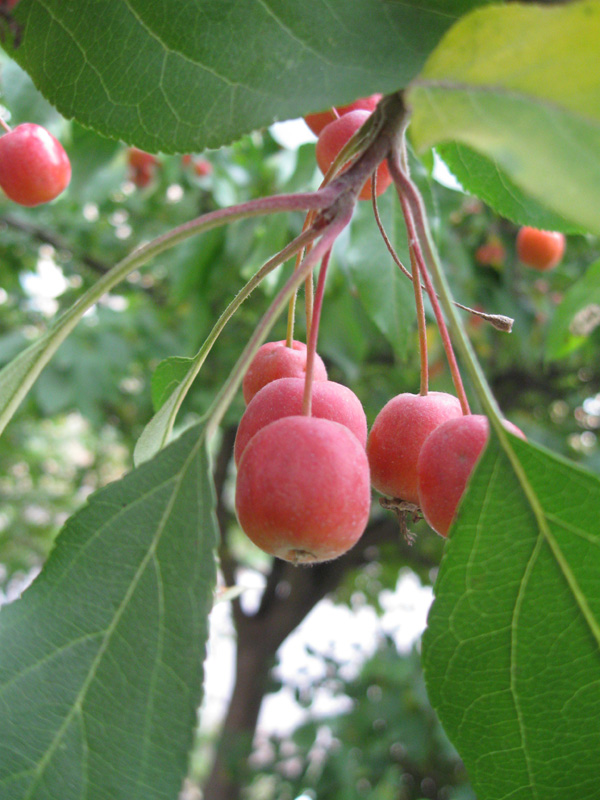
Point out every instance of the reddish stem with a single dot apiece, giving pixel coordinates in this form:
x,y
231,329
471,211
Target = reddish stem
x,y
6,127
335,225
418,290
314,333
415,249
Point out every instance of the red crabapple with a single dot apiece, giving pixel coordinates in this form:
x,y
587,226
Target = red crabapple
x,y
34,167
142,166
334,136
541,250
202,167
316,122
397,436
275,360
445,464
302,490
283,398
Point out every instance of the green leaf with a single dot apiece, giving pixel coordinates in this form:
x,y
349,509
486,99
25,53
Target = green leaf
x,y
577,316
182,75
101,659
166,378
518,84
484,178
511,653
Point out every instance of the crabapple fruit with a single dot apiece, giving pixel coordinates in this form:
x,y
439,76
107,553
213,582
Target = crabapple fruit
x,y
490,254
445,464
316,122
397,436
283,398
334,136
276,360
303,490
34,167
541,250
142,166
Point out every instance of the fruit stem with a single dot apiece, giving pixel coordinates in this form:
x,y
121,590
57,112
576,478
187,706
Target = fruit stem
x,y
488,401
5,125
39,353
498,321
333,227
143,451
312,339
400,180
292,304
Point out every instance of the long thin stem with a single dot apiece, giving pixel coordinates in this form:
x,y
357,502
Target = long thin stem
x,y
314,335
218,408
488,401
292,304
415,248
38,354
498,321
156,433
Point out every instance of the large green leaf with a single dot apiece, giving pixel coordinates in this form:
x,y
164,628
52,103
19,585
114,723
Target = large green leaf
x,y
101,659
519,84
512,650
181,75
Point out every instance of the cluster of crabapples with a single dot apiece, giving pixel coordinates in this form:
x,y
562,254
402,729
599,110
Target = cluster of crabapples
x,y
303,489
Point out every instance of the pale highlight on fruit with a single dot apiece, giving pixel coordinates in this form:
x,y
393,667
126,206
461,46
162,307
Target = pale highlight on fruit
x,y
447,460
397,436
541,250
334,136
303,489
283,398
34,167
316,122
275,360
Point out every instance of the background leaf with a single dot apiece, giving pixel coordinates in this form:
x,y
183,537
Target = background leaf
x,y
485,179
101,660
518,84
577,316
511,652
184,75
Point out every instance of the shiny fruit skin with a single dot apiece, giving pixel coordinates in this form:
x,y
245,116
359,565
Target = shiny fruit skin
x,y
397,436
275,360
34,167
334,136
283,398
541,250
303,489
316,122
445,464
